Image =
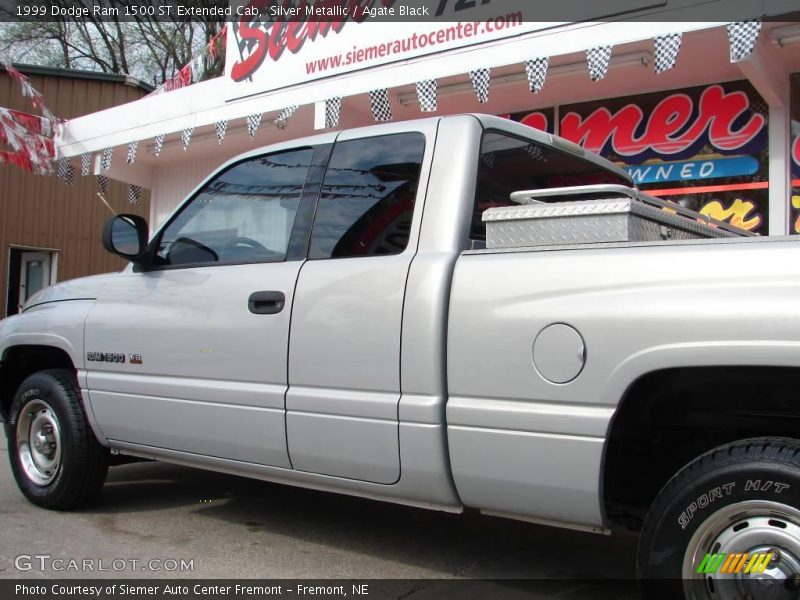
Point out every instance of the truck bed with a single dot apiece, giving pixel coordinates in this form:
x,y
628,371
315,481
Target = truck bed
x,y
621,310
787,239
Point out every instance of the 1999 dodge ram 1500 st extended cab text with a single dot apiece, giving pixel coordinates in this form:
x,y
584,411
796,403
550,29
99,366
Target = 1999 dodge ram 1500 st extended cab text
x,y
326,313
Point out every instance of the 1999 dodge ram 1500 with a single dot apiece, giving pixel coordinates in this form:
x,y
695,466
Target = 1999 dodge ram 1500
x,y
326,313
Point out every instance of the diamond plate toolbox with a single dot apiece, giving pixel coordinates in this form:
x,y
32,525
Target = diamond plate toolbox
x,y
589,222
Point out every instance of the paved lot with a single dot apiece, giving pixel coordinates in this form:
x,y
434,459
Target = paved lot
x,y
240,528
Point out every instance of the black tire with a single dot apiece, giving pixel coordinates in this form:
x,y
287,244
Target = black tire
x,y
725,490
76,466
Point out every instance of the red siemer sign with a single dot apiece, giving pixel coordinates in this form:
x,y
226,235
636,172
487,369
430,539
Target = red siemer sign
x,y
275,45
672,128
280,36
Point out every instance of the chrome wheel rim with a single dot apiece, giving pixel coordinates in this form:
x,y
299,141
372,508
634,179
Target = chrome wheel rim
x,y
757,529
39,442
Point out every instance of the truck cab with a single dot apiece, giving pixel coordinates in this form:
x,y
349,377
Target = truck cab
x,y
326,313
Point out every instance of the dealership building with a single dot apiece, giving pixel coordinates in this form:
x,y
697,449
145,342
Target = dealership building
x,y
702,108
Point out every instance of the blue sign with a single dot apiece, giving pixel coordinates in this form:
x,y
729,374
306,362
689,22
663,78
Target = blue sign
x,y
693,169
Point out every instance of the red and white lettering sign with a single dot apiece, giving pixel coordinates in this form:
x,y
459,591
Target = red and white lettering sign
x,y
673,127
537,120
272,45
268,54
254,42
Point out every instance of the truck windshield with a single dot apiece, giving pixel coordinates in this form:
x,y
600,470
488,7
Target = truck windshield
x,y
510,164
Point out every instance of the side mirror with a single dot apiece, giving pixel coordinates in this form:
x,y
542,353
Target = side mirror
x,y
126,236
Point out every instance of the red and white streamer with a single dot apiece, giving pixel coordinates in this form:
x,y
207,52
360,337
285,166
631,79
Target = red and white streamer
x,y
31,148
29,136
30,92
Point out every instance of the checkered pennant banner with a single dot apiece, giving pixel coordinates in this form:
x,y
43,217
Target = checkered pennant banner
x,y
105,159
134,194
222,128
132,147
186,136
333,109
759,106
284,115
253,123
742,37
481,78
66,172
536,70
427,94
379,105
158,143
667,48
598,59
86,163
103,183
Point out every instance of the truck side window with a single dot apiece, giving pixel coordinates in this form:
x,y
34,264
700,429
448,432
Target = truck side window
x,y
367,197
510,164
245,214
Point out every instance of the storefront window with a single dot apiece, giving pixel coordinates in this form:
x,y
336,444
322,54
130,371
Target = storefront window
x,y
704,147
794,210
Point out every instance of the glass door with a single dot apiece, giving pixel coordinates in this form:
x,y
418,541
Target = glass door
x,y
30,271
34,274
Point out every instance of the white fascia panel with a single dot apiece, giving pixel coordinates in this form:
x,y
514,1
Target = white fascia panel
x,y
204,103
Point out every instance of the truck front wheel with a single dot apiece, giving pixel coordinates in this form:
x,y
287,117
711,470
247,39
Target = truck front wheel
x,y
56,459
727,526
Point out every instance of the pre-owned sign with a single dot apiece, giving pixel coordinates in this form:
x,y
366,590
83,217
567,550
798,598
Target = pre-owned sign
x,y
693,169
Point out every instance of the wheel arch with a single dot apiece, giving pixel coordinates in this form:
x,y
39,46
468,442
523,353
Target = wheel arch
x,y
20,361
667,417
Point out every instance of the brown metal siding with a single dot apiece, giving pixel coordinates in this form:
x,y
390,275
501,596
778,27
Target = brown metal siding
x,y
41,211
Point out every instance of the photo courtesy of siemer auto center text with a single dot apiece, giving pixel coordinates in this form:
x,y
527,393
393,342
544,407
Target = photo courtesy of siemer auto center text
x,y
399,300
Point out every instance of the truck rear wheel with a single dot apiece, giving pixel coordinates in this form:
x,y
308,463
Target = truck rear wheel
x,y
56,459
727,526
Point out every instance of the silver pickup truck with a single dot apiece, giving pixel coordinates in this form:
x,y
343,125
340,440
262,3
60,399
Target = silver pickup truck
x,y
327,313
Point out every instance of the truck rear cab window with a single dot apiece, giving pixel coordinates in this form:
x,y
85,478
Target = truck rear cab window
x,y
244,215
367,197
510,164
